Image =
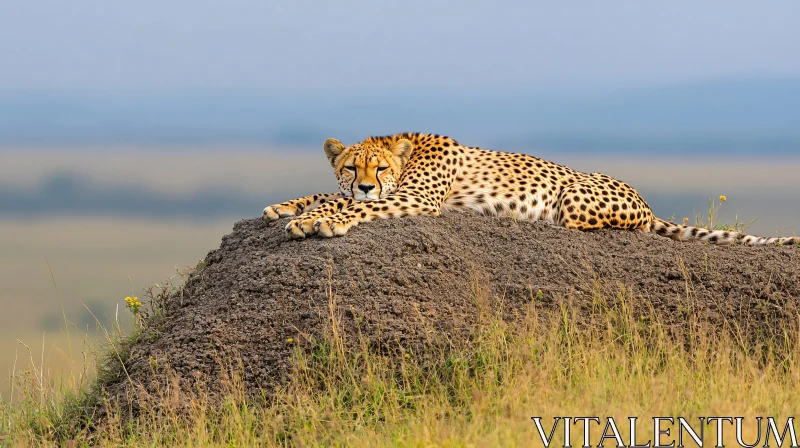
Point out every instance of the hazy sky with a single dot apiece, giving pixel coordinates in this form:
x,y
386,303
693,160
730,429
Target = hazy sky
x,y
102,45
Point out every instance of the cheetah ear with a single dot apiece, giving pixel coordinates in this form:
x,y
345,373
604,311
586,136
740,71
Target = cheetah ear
x,y
333,148
402,150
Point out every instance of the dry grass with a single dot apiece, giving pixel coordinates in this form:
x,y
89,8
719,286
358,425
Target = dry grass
x,y
558,364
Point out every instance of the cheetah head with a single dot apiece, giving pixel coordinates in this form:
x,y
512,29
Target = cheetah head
x,y
367,172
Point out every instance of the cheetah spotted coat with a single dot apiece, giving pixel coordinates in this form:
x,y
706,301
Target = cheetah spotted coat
x,y
422,174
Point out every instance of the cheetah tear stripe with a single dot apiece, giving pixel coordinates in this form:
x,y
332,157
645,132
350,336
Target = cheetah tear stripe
x,y
680,232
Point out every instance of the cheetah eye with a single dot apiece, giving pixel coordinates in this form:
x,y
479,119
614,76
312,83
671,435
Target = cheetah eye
x,y
350,168
381,169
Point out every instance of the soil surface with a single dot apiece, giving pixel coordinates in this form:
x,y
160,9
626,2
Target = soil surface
x,y
402,280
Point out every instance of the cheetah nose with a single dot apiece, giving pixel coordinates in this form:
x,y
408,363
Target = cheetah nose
x,y
365,188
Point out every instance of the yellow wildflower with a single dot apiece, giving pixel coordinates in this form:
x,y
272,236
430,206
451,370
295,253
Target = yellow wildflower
x,y
133,304
723,198
290,340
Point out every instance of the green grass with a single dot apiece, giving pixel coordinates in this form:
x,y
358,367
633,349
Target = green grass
x,y
711,219
342,394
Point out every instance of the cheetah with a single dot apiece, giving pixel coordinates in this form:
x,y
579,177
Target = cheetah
x,y
423,174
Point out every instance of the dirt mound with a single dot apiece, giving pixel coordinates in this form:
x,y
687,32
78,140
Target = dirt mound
x,y
401,281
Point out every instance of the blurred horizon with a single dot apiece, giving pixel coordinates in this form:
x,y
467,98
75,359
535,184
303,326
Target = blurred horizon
x,y
718,77
743,117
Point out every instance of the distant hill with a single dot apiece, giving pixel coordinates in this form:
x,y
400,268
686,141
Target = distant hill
x,y
739,116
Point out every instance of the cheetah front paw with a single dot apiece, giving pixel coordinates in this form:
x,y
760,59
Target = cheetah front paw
x,y
328,227
300,228
274,212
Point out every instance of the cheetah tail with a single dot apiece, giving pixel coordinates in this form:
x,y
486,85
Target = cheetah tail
x,y
680,232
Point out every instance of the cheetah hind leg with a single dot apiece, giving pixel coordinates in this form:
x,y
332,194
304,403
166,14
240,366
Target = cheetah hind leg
x,y
598,203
